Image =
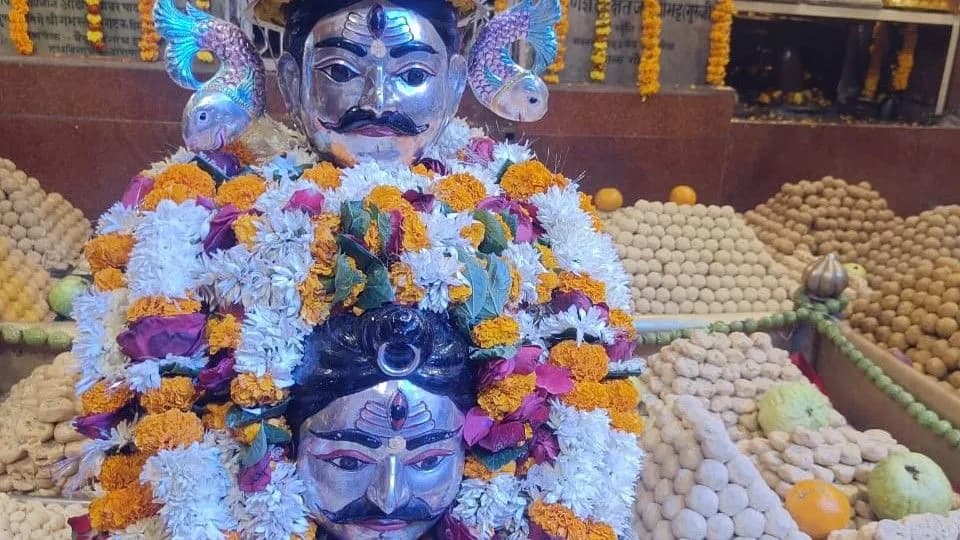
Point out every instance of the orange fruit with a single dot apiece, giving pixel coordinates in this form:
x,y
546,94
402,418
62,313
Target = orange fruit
x,y
683,195
608,199
818,507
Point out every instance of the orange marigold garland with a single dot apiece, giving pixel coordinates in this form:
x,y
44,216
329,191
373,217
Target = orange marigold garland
x,y
878,45
648,70
901,73
95,25
20,26
554,70
149,38
721,23
601,36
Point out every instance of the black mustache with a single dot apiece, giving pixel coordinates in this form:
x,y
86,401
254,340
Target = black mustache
x,y
363,509
355,118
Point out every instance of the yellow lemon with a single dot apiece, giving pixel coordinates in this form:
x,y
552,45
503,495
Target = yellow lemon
x,y
683,195
608,199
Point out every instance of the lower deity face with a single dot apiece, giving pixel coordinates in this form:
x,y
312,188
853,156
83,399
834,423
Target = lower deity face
x,y
382,463
375,81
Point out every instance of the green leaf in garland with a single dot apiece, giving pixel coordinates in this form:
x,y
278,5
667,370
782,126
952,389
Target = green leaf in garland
x,y
177,370
499,288
495,352
355,218
496,461
384,228
503,170
511,221
378,290
446,208
345,279
478,280
494,237
238,416
275,435
355,249
252,454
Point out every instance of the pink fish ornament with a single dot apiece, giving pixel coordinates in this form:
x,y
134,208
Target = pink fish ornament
x,y
499,83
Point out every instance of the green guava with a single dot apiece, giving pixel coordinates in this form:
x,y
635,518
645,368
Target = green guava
x,y
791,405
909,483
63,292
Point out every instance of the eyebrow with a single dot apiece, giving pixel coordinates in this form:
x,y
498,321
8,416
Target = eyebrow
x,y
411,47
430,438
345,44
349,435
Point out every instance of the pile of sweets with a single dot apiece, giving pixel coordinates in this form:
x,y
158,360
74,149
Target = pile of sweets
x,y
925,237
696,260
204,292
933,526
918,315
696,484
24,285
44,225
726,373
36,421
24,519
825,216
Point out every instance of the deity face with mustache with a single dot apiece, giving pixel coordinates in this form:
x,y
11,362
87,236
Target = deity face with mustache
x,y
382,463
373,80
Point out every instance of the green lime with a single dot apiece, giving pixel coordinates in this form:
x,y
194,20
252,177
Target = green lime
x,y
736,326
59,340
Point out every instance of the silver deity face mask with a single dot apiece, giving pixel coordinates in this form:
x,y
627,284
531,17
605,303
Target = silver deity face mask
x,y
375,81
382,463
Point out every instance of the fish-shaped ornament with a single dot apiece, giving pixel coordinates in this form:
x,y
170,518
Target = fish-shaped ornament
x,y
499,83
221,108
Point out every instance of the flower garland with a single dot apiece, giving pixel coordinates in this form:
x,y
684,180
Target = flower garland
x,y
648,70
94,25
901,73
878,45
149,38
280,246
500,6
552,76
601,35
721,24
19,26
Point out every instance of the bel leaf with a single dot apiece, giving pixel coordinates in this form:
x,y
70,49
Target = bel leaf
x,y
275,435
378,290
255,452
499,287
494,236
351,247
345,279
496,461
355,218
478,286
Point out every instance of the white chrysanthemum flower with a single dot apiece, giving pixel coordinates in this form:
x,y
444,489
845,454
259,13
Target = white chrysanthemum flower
x,y
280,168
585,322
278,194
529,329
150,528
118,219
561,205
454,137
490,506
237,276
278,511
358,181
165,260
143,376
271,342
526,259
434,270
443,230
182,155
506,152
633,365
284,235
623,465
100,316
190,509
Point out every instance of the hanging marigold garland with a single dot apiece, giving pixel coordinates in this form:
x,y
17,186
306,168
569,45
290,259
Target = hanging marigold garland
x,y
601,35
149,38
499,5
721,23
94,25
648,70
552,76
878,45
901,73
19,26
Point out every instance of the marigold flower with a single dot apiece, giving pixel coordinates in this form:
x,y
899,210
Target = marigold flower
x,y
248,433
242,191
515,283
624,321
586,204
371,238
223,333
242,152
120,508
505,396
474,233
324,251
324,174
461,191
387,199
595,290
629,421
104,398
405,287
248,390
167,430
547,258
547,282
315,300
109,279
586,361
121,470
216,417
245,229
156,306
587,396
600,531
414,231
459,293
474,468
624,396
502,330
422,170
174,393
108,251
523,180
179,182
557,520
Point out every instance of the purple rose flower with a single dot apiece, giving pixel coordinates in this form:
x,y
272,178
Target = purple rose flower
x,y
621,349
503,435
136,191
221,234
98,426
217,376
395,246
308,200
533,409
525,361
544,446
256,477
422,202
226,164
480,150
476,426
207,203
554,380
496,370
562,301
527,227
156,337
